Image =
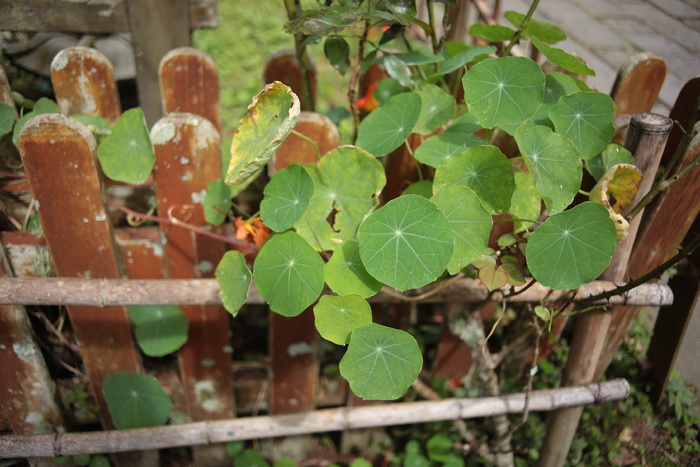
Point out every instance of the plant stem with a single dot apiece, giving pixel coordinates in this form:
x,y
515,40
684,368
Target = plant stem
x,y
520,30
310,141
657,271
433,32
661,186
307,97
353,80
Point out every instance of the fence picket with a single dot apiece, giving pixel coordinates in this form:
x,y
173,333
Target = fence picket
x,y
79,238
83,80
638,84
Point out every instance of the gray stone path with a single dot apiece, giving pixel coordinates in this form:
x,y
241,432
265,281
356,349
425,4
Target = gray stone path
x,y
605,33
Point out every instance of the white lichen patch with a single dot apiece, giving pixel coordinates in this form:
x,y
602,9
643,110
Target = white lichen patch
x,y
24,350
208,362
300,348
101,217
162,133
206,396
184,160
198,196
205,266
59,62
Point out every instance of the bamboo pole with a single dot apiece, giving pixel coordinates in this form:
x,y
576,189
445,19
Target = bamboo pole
x,y
319,421
109,292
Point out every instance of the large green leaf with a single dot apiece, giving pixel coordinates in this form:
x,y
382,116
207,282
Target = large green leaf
x,y
504,92
286,197
271,117
386,128
471,224
437,108
381,363
127,154
586,118
345,273
553,161
216,202
336,317
135,400
407,243
438,148
234,279
573,247
347,182
159,329
486,171
562,58
526,202
288,273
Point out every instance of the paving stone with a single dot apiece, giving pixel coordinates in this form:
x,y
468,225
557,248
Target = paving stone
x,y
677,8
679,62
666,26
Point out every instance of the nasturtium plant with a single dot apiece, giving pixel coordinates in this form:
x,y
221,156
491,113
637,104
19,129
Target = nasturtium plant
x,y
338,316
286,198
407,243
442,146
216,202
525,206
135,400
288,273
573,247
345,273
270,119
160,329
387,128
381,362
126,154
437,108
234,279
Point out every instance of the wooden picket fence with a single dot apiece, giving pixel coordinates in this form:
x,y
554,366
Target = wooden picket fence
x,y
209,384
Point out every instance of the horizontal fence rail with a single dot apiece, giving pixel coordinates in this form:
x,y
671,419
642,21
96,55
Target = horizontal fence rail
x,y
108,292
340,419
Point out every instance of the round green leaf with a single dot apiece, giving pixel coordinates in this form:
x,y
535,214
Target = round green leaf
x,y
381,363
288,273
437,108
486,171
127,154
286,197
271,117
573,247
216,202
586,118
504,92
407,243
160,329
526,202
471,224
387,127
345,273
553,161
135,400
347,183
338,316
438,148
234,280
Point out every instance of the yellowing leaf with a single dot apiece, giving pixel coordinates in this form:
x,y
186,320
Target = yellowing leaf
x,y
271,117
615,191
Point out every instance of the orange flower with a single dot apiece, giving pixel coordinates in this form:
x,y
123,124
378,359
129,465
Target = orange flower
x,y
368,102
253,230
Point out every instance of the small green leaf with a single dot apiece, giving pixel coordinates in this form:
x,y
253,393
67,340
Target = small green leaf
x,y
471,224
486,171
286,197
418,57
336,317
493,277
126,154
345,273
586,118
573,247
612,155
438,148
250,458
504,92
422,188
562,58
234,280
135,400
7,119
347,183
439,448
81,459
160,329
437,108
99,461
42,106
543,313
407,243
288,273
398,70
216,202
271,117
337,52
387,127
542,30
554,163
381,363
99,126
460,59
526,202
515,275
491,32
323,22
388,88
